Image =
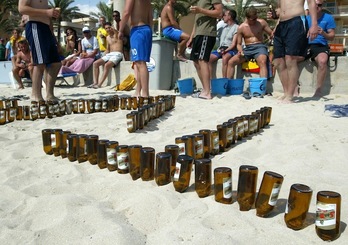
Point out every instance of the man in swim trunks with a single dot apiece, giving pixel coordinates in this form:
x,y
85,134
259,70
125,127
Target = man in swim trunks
x,y
290,42
202,40
126,39
252,32
113,56
139,12
171,29
43,44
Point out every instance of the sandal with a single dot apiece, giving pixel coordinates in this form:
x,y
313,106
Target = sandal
x,y
246,95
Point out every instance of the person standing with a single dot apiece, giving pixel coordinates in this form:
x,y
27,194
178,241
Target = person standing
x,y
202,40
290,42
319,49
101,35
43,44
126,39
171,29
2,50
139,12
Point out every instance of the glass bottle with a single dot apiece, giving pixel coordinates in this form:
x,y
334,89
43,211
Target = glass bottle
x,y
92,148
81,150
19,113
214,142
246,187
122,159
2,116
26,112
268,193
134,152
162,169
240,128
56,109
81,105
189,145
64,143
147,163
105,105
140,118
269,114
206,142
101,154
56,141
72,145
123,103
229,133
328,215
246,120
42,109
129,103
111,155
131,122
181,143
46,140
222,130
198,143
75,106
203,177
68,107
90,105
34,110
135,103
62,107
174,151
98,105
116,102
11,114
182,175
223,185
297,206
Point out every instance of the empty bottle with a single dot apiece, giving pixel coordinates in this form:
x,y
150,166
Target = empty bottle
x,y
147,163
223,185
162,168
111,155
122,159
203,177
134,152
182,175
92,148
246,191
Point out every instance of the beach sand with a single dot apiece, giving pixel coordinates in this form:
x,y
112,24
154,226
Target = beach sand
x,y
50,200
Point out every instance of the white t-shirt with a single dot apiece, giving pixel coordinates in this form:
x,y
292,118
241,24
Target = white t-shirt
x,y
89,45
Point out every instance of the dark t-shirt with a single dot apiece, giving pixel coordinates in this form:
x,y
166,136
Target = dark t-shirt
x,y
2,52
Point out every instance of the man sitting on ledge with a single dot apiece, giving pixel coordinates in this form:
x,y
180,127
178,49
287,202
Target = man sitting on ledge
x,y
251,30
113,56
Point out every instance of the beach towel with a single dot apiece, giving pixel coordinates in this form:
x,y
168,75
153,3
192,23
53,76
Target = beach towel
x,y
79,66
337,110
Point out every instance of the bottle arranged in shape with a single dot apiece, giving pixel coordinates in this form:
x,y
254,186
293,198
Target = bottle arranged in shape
x,y
203,177
174,151
246,191
147,163
122,159
92,148
182,175
223,185
111,155
162,168
134,152
101,154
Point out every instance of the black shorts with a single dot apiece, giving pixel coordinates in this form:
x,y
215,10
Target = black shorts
x,y
202,47
315,49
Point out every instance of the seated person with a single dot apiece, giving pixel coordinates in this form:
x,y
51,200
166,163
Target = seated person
x,y
171,29
113,56
228,42
90,53
24,67
251,31
73,47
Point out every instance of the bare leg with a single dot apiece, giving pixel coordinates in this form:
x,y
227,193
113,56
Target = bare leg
x,y
279,63
293,75
36,93
321,60
202,68
235,60
50,80
15,73
225,58
96,65
212,60
107,67
182,46
142,75
262,63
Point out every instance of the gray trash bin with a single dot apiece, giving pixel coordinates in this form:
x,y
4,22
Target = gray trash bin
x,y
162,53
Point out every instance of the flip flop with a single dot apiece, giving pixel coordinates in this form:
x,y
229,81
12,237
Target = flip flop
x,y
257,95
246,95
197,95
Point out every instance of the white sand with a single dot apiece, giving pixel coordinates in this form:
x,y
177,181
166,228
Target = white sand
x,y
49,200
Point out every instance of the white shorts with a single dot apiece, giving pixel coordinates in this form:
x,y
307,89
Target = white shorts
x,y
114,57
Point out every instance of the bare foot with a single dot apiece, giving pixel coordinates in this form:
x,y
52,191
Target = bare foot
x,y
282,97
20,87
287,100
317,94
181,57
297,90
36,98
52,98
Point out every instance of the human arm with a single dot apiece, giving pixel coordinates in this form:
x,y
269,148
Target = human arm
x,y
125,18
216,12
313,30
239,40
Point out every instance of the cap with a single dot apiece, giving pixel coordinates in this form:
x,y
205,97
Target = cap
x,y
85,29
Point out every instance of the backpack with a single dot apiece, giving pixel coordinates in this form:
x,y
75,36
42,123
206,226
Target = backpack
x,y
127,84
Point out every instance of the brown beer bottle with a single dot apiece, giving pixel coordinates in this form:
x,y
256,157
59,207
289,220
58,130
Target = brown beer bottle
x,y
62,107
122,159
206,142
140,118
92,148
111,155
98,105
63,151
75,106
174,151
198,142
105,105
135,103
162,169
34,110
50,109
2,116
147,163
90,105
134,152
234,130
81,105
72,145
56,141
101,154
46,140
223,185
129,103
229,133
246,187
222,130
42,109
182,175
189,145
215,147
240,128
11,114
246,120
203,177
68,107
297,206
131,123
123,103
26,112
181,143
269,114
116,102
19,113
268,193
328,215
81,149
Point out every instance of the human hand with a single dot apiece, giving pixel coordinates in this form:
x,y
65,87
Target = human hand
x,y
313,32
54,12
120,35
195,9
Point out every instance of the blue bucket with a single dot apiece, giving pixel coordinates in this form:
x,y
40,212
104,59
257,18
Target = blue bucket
x,y
258,85
185,86
235,86
219,86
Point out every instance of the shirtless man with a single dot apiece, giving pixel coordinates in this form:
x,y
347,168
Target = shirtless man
x,y
126,42
252,31
24,67
113,55
139,12
171,29
43,44
290,42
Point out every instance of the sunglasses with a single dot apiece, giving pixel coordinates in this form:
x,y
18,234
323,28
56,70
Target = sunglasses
x,y
319,5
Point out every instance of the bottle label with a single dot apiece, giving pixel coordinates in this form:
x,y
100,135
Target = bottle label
x,y
67,146
91,105
177,171
130,123
53,140
105,105
229,134
181,148
97,105
216,143
50,109
274,194
227,187
2,115
12,112
122,160
326,216
56,108
111,156
34,110
246,125
81,105
199,147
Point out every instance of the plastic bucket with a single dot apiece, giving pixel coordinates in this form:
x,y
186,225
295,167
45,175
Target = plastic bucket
x,y
235,86
258,85
219,86
185,86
